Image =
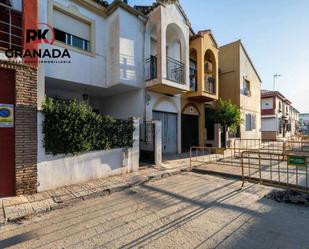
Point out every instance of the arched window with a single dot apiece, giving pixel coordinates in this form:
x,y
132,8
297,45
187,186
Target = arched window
x,y
175,53
210,69
193,70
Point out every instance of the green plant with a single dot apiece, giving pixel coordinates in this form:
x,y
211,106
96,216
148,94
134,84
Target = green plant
x,y
228,115
71,127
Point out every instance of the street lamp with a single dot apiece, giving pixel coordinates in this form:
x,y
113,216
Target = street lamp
x,y
275,77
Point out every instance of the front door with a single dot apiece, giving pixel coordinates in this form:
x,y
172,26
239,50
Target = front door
x,y
189,131
169,131
7,133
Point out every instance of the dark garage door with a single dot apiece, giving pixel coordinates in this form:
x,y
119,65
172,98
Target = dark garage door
x,y
189,131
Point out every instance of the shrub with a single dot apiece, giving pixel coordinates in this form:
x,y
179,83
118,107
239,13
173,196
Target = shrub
x,y
71,127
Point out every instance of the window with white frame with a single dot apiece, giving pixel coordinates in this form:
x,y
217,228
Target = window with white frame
x,y
71,31
250,122
246,87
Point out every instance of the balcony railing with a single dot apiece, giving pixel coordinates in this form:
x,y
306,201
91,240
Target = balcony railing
x,y
175,71
193,79
210,85
151,68
11,31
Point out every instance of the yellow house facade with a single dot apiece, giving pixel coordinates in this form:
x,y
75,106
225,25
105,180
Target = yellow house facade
x,y
204,88
241,83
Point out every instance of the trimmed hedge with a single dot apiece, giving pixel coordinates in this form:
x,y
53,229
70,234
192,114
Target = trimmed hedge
x,y
71,127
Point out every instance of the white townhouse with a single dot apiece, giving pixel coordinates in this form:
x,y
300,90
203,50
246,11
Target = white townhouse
x,y
125,61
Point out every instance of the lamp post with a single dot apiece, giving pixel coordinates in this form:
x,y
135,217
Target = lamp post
x,y
275,77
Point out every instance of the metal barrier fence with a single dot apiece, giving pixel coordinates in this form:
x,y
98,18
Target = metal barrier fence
x,y
289,171
297,146
287,168
240,145
213,155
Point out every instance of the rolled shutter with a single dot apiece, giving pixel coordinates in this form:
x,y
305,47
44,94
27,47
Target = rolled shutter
x,y
71,25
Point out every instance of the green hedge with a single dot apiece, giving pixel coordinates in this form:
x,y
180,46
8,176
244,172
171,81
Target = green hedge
x,y
71,127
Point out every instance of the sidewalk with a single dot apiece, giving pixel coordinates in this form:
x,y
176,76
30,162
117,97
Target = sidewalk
x,y
14,208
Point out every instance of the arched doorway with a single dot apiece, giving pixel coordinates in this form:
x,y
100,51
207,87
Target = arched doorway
x,y
189,127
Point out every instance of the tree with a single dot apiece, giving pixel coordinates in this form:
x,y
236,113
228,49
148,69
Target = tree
x,y
228,115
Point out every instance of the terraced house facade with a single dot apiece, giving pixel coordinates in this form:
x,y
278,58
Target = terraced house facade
x,y
124,61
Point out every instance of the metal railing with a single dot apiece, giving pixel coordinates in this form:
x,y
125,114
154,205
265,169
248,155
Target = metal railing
x,y
297,146
210,85
175,70
275,169
239,145
11,31
151,68
200,155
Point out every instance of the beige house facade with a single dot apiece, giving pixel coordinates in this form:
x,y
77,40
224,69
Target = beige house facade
x,y
240,83
204,89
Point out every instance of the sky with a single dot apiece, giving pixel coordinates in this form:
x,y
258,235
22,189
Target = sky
x,y
274,32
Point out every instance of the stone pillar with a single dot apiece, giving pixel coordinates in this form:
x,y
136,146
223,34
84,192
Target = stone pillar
x,y
158,142
134,151
217,136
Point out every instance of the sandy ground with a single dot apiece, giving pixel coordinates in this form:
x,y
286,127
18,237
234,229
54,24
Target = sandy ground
x,y
183,211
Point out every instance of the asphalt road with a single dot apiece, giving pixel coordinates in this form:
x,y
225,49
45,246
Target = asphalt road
x,y
183,211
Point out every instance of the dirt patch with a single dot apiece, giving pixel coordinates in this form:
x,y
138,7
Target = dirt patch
x,y
289,196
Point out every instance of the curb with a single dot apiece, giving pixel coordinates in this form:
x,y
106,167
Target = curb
x,y
216,173
118,187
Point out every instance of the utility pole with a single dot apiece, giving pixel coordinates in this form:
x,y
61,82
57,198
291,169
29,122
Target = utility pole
x,y
275,77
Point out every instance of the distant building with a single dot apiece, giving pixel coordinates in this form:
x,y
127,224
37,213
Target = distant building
x,y
280,120
240,83
304,123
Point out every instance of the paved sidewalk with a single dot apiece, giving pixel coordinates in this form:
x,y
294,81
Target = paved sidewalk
x,y
14,208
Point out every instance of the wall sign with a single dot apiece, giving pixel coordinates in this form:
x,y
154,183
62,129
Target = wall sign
x,y
300,161
6,115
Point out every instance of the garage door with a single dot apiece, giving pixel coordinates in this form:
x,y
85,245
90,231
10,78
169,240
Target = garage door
x,y
169,131
189,131
7,133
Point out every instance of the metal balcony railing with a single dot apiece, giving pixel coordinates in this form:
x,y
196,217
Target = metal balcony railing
x,y
175,70
210,85
151,68
11,30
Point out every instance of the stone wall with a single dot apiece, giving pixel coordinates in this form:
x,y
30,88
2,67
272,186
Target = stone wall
x,y
25,126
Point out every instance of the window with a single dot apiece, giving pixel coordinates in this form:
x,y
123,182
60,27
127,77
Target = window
x,y
193,75
71,31
246,87
72,40
250,122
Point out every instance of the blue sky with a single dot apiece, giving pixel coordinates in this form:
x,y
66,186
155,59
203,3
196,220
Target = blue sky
x,y
274,32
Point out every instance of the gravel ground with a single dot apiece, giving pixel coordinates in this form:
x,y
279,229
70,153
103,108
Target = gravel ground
x,y
182,211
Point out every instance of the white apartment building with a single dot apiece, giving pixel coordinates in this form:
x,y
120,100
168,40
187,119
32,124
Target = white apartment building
x,y
280,120
125,61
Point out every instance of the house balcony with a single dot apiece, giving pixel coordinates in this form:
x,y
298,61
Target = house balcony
x,y
11,28
173,83
207,94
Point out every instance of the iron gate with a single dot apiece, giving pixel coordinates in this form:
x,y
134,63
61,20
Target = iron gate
x,y
147,142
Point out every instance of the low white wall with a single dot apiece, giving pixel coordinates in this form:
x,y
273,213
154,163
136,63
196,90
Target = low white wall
x,y
61,170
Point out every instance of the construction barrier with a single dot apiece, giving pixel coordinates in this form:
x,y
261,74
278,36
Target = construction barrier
x,y
289,171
